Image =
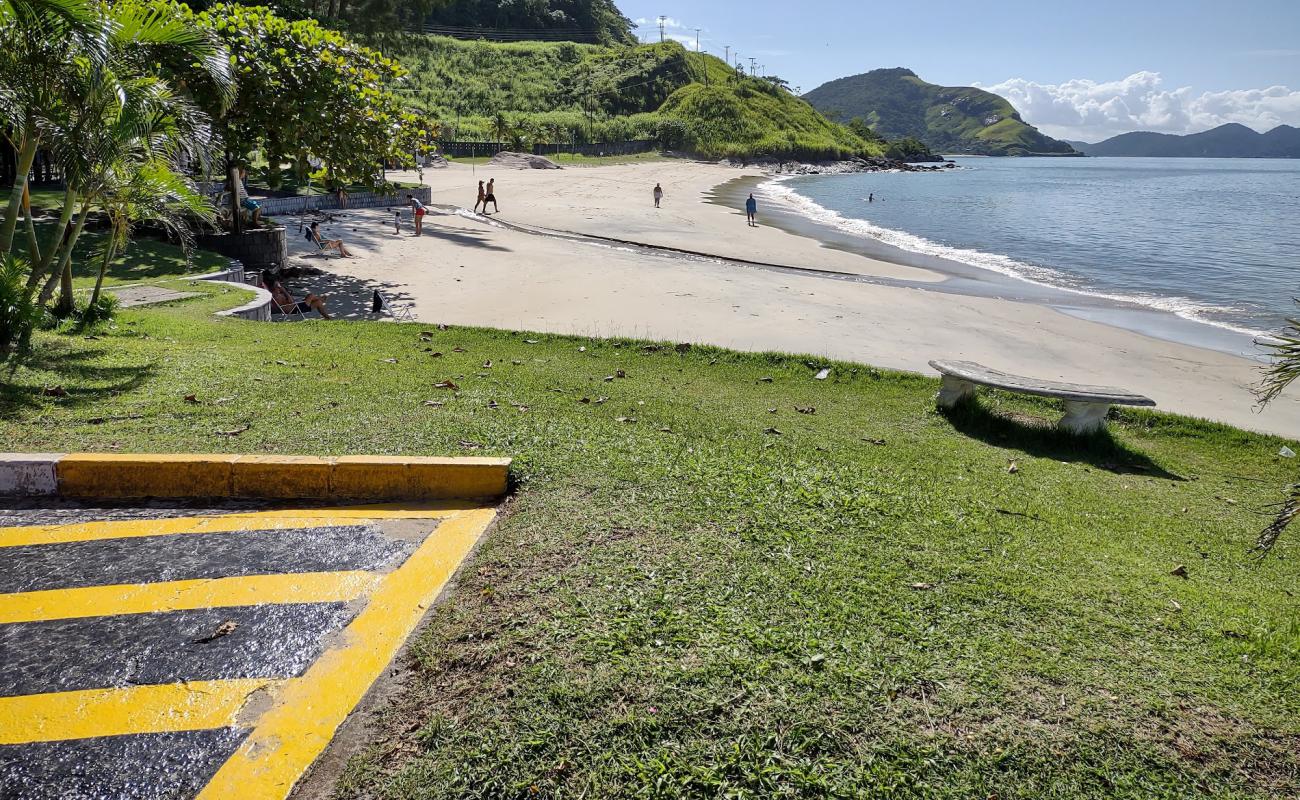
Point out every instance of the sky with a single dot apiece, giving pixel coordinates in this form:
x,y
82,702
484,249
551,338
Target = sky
x,y
1082,71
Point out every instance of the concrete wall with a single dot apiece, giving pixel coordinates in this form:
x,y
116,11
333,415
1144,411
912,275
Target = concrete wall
x,y
258,309
293,205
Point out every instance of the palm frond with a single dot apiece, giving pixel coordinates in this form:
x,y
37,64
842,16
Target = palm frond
x,y
1287,514
1284,366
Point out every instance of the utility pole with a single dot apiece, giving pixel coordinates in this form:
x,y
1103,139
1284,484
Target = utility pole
x,y
697,40
727,58
752,62
662,20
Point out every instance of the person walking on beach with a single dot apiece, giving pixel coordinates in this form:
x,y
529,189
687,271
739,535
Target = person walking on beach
x,y
751,210
659,194
419,213
491,197
482,198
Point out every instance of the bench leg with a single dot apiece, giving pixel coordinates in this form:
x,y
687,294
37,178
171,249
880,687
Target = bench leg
x,y
1083,417
953,390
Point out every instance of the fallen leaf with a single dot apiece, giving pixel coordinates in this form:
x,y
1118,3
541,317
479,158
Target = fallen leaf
x,y
390,361
468,445
224,629
442,327
684,347
282,363
426,334
625,419
492,404
220,401
805,409
487,364
772,431
771,411
584,400
765,379
1012,468
652,348
874,441
446,385
600,400
1180,571
234,431
608,378
620,374
189,398
530,341
458,350
665,429
1177,606
435,355
522,408
921,587
55,391
821,375
516,362
434,403
582,349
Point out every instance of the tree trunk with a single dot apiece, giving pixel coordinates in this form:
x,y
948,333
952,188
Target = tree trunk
x,y
40,266
103,268
65,261
26,155
65,304
33,245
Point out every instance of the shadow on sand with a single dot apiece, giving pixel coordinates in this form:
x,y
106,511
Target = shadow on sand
x,y
1041,438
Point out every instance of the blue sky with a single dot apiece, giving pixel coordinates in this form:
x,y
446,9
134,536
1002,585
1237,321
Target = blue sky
x,y
1082,70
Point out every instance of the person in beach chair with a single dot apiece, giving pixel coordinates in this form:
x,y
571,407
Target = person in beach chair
x,y
325,245
285,304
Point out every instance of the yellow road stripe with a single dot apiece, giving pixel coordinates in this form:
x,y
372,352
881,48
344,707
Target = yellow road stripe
x,y
137,709
294,731
225,523
141,598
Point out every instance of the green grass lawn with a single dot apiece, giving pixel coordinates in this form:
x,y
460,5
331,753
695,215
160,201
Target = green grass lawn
x,y
144,261
700,590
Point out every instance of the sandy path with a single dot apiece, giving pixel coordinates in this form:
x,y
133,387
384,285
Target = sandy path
x,y
468,271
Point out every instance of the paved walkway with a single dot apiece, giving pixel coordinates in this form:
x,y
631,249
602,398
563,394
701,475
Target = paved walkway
x,y
211,655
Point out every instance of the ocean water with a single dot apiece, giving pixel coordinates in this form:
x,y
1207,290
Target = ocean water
x,y
1212,240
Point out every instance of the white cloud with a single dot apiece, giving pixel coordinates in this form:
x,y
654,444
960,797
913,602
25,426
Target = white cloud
x,y
1092,111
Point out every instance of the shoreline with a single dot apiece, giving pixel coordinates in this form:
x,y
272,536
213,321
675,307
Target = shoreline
x,y
599,260
972,279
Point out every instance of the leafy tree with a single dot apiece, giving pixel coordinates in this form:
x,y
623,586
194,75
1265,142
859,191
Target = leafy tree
x,y
907,149
304,92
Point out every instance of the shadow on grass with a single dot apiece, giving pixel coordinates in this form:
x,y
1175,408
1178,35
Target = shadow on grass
x,y
1040,438
68,377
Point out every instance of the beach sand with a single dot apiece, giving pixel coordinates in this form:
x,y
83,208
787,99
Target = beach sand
x,y
467,270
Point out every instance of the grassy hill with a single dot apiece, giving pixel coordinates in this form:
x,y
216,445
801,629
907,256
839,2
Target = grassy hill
x,y
544,91
897,103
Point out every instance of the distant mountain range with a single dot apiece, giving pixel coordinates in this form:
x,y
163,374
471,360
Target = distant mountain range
x,y
1226,141
949,119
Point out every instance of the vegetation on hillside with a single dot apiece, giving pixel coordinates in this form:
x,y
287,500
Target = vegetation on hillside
x,y
721,577
596,19
1232,140
896,103
547,92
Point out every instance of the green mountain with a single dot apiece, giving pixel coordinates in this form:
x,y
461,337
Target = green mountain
x,y
896,103
1226,141
560,91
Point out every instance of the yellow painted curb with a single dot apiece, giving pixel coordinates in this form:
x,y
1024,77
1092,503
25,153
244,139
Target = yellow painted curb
x,y
370,478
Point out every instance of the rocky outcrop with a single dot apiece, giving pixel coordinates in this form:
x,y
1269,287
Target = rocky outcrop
x,y
522,161
852,165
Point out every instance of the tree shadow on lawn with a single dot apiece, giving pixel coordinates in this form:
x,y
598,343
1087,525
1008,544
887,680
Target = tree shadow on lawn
x,y
1041,438
71,379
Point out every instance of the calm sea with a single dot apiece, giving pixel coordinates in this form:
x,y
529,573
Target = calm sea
x,y
1215,240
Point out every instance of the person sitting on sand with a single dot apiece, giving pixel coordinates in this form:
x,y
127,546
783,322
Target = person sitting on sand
x,y
287,305
327,244
751,210
491,197
659,194
482,198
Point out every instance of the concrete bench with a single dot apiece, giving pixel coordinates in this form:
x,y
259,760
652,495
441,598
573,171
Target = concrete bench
x,y
1085,406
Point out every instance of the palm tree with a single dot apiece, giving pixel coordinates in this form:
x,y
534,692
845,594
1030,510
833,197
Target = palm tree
x,y
109,111
1284,369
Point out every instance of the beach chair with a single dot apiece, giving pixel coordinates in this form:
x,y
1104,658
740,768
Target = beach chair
x,y
290,313
379,304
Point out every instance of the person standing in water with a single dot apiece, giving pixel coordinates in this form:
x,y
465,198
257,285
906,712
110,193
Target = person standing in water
x,y
491,197
482,198
659,194
871,197
751,210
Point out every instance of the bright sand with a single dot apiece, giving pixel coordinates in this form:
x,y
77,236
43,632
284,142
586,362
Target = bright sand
x,y
468,271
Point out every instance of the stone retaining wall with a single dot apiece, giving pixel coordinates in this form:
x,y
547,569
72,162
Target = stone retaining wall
x,y
256,248
293,205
